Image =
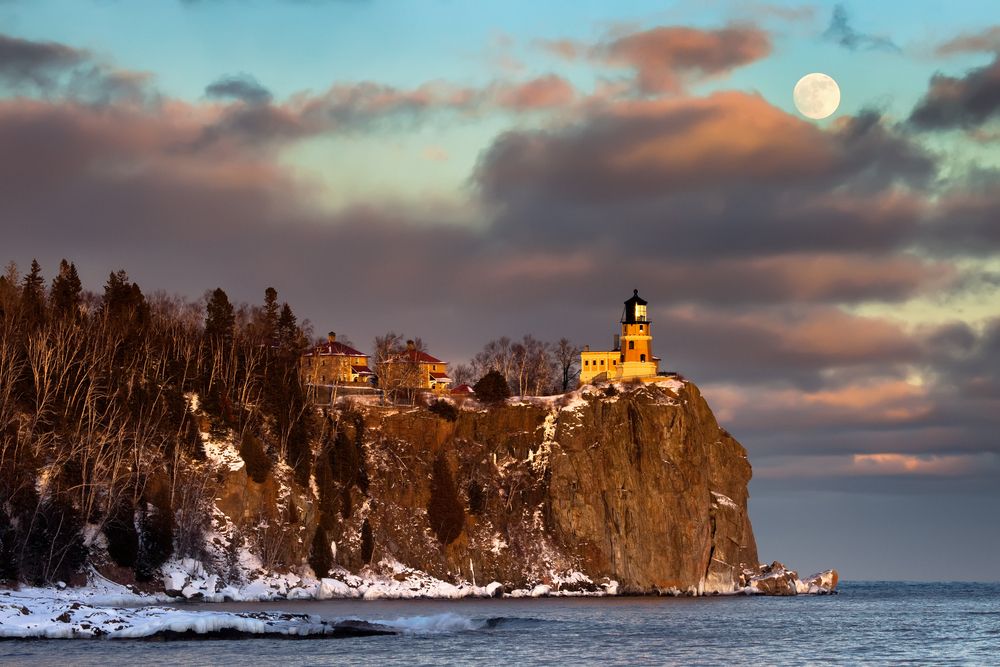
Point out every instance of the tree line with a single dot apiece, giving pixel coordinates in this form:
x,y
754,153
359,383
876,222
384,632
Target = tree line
x,y
98,435
95,422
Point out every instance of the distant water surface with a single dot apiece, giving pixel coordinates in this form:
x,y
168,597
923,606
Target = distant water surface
x,y
887,623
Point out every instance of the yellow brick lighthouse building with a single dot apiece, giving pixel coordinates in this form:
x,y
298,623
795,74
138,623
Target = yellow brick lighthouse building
x,y
632,357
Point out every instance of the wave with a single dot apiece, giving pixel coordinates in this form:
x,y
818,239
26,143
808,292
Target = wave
x,y
447,623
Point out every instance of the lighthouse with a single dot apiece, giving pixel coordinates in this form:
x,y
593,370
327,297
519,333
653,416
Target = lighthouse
x,y
632,357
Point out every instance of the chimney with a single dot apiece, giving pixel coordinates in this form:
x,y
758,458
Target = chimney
x,y
331,337
410,345
586,348
618,343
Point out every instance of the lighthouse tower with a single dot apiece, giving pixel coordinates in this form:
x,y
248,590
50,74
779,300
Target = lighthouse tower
x,y
636,342
632,357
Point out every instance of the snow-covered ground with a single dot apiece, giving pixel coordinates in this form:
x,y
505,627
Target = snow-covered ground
x,y
103,609
389,579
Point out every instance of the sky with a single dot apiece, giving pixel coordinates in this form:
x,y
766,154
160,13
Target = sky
x,y
461,171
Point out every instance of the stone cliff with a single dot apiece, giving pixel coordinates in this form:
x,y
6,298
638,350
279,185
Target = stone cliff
x,y
637,485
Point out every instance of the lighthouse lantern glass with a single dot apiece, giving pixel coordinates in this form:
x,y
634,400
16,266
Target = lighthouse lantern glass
x,y
640,313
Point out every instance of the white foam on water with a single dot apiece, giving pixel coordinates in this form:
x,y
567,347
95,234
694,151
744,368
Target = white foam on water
x,y
434,624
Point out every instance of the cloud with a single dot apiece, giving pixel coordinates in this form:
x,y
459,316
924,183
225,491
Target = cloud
x,y
960,102
567,49
987,40
966,223
841,32
36,63
957,466
241,87
57,70
753,233
544,92
665,58
724,175
797,346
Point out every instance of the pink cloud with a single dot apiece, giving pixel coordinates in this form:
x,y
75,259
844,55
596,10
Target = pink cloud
x,y
665,58
877,465
544,92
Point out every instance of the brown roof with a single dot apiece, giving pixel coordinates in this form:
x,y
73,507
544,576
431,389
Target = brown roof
x,y
440,376
463,389
417,355
335,349
362,370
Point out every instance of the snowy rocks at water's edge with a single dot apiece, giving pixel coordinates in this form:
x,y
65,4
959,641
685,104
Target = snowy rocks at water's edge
x,y
776,579
37,614
187,579
389,579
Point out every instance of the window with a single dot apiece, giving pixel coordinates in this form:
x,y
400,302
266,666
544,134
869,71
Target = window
x,y
640,313
602,362
586,363
614,362
642,357
631,345
640,327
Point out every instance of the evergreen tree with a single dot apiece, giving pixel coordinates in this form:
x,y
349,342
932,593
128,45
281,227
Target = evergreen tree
x,y
9,292
270,313
124,302
33,296
64,297
287,330
220,320
492,387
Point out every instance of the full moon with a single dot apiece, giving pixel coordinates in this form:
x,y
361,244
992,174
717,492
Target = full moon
x,y
816,96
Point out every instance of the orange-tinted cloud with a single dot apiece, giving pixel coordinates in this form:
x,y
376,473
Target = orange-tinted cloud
x,y
975,42
544,92
666,58
879,465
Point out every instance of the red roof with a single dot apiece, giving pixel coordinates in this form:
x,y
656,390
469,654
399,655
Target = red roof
x,y
440,376
335,349
362,370
417,355
463,389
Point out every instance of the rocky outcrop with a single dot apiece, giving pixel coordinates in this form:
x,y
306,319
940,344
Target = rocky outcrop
x,y
619,488
634,484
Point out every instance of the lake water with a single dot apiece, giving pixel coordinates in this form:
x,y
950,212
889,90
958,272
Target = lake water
x,y
868,623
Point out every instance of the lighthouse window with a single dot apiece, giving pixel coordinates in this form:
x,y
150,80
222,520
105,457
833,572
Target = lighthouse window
x,y
642,357
602,362
631,345
640,312
640,327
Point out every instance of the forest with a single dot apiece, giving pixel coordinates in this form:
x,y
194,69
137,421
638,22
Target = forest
x,y
99,435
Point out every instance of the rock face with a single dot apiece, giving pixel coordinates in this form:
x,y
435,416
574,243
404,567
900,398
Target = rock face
x,y
633,484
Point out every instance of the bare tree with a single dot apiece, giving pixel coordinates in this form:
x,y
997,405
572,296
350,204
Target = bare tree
x,y
463,374
567,358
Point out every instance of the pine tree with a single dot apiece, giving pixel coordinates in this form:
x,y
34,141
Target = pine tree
x,y
492,387
33,296
287,330
9,293
220,319
124,302
270,313
64,297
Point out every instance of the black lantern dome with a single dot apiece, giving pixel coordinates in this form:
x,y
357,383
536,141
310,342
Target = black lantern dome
x,y
635,309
